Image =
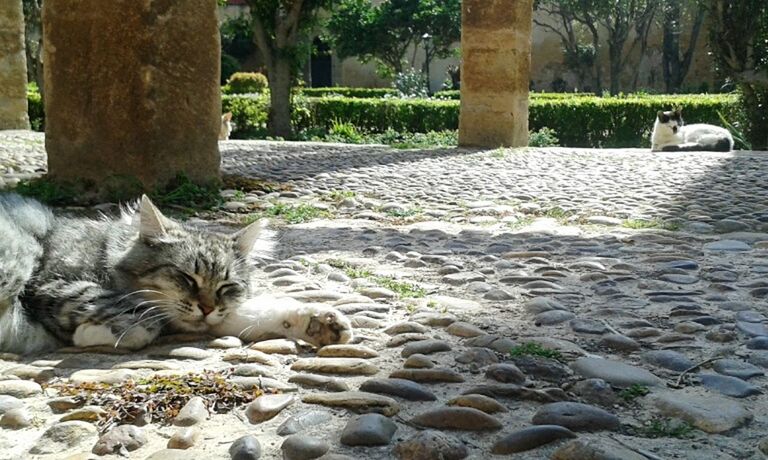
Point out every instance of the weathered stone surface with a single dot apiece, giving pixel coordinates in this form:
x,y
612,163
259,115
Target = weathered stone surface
x,y
192,413
108,109
576,416
267,406
128,437
302,447
184,438
595,449
302,421
614,372
368,430
319,381
710,413
479,402
530,438
496,62
402,388
346,351
19,388
431,445
433,375
64,436
353,366
505,373
245,448
13,68
357,401
457,418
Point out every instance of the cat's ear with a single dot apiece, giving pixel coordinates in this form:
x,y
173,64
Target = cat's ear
x,y
227,116
247,238
152,223
660,115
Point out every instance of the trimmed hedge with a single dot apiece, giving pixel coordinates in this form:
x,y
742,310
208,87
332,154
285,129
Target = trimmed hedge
x,y
365,93
456,94
35,108
583,121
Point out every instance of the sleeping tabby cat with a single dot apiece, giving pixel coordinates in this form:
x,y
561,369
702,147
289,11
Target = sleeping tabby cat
x,y
124,282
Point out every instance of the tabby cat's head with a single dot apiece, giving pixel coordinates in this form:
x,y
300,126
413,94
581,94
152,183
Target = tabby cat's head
x,y
193,278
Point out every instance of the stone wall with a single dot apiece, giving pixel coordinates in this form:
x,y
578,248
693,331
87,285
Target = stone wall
x,y
132,90
13,67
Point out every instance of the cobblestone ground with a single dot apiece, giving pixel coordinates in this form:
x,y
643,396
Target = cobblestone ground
x,y
548,303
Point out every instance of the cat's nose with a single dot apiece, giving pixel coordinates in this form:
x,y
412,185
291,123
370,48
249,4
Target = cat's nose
x,y
205,309
674,129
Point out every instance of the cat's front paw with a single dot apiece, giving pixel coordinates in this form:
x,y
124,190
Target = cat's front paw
x,y
326,326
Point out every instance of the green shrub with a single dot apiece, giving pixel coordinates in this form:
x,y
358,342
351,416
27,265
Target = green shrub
x,y
349,92
578,121
544,137
35,108
249,115
246,83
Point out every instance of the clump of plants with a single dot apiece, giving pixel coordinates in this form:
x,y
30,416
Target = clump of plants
x,y
246,83
157,399
534,349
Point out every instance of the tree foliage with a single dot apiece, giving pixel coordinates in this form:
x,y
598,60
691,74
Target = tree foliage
x,y
384,33
739,42
281,31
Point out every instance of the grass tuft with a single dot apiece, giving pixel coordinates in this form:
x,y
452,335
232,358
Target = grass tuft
x,y
534,349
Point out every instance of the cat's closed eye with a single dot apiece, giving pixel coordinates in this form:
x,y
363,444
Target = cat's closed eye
x,y
188,280
229,289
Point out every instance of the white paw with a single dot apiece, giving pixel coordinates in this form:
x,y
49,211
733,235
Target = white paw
x,y
323,325
91,335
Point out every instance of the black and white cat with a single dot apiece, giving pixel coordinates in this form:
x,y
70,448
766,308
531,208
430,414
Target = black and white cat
x,y
124,282
671,134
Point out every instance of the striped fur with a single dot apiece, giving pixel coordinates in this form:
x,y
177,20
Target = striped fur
x,y
118,282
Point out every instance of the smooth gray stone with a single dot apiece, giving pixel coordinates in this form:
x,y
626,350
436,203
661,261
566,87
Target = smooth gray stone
x,y
530,438
736,368
368,430
576,416
406,389
729,386
668,359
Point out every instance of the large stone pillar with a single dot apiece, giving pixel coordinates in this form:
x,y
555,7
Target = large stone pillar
x,y
13,67
496,61
132,90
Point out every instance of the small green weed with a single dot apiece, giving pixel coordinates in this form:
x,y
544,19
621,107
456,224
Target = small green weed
x,y
341,195
296,214
500,152
534,349
518,224
349,270
181,191
667,428
633,392
402,213
638,224
401,288
47,191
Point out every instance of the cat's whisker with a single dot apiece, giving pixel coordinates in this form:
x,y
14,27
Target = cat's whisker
x,y
141,291
144,323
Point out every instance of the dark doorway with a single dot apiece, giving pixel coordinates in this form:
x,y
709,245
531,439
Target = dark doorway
x,y
320,63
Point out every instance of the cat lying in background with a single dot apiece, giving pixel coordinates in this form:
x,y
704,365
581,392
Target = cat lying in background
x,y
226,126
670,134
124,282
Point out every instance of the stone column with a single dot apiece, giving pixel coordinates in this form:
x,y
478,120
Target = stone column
x,y
13,67
132,91
496,61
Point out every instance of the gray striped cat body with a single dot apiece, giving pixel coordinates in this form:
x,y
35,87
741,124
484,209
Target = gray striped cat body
x,y
124,282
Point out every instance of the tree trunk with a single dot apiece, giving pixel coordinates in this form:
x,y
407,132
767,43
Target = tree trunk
x,y
671,46
614,55
280,79
598,69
